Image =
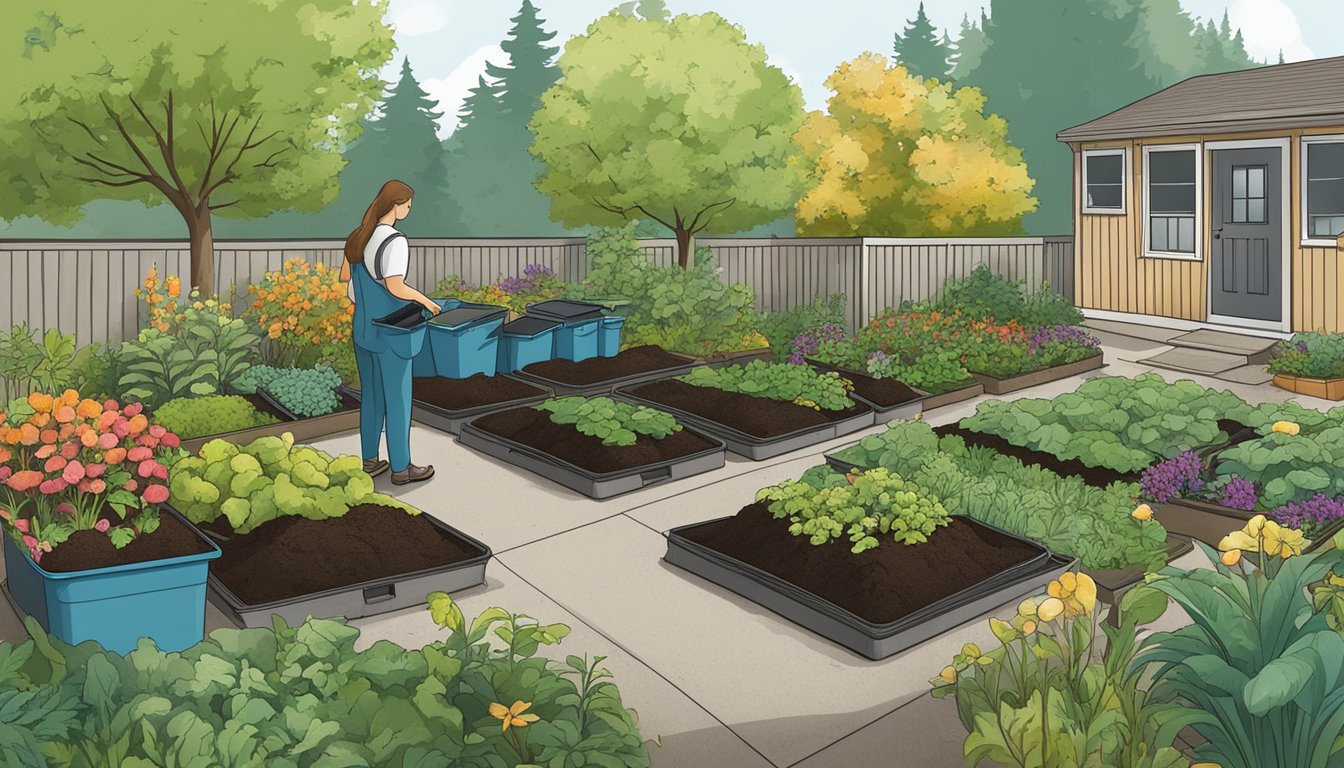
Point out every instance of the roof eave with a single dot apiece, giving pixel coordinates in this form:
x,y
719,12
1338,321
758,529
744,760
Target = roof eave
x,y
1082,133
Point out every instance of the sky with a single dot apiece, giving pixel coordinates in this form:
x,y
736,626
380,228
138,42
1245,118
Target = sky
x,y
449,41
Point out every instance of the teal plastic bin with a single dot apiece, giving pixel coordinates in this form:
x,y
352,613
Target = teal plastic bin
x,y
163,600
423,364
525,341
609,338
403,331
464,340
577,341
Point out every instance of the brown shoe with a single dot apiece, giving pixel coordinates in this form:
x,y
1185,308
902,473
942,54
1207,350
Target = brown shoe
x,y
376,467
412,474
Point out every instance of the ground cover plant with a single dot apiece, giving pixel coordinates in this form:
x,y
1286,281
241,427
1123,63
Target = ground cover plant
x,y
1310,355
614,421
305,392
192,417
303,696
1095,525
538,283
789,383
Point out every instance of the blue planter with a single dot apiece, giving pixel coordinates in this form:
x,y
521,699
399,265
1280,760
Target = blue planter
x,y
609,338
525,341
163,600
577,341
465,340
403,331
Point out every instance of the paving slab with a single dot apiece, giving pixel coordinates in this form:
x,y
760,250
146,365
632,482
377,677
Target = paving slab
x,y
1150,333
786,691
1247,374
1222,341
924,733
1201,361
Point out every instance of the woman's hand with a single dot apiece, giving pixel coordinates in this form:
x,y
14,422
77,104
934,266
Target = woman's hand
x,y
432,306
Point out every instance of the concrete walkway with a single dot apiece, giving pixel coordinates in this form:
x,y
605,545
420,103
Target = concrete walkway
x,y
717,681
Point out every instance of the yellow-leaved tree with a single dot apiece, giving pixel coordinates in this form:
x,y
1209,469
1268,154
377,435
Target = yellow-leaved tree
x,y
904,156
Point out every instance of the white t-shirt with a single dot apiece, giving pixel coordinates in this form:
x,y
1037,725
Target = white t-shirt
x,y
396,256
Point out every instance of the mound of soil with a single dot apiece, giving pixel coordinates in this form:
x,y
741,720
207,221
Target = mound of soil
x,y
631,362
86,550
471,392
884,393
755,416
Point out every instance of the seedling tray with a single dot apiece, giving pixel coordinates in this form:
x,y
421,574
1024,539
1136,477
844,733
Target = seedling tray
x,y
347,403
451,421
608,386
758,448
873,641
369,598
591,484
995,386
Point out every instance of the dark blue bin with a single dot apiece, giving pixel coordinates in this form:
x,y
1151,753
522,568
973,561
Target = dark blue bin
x,y
464,340
609,338
525,341
577,341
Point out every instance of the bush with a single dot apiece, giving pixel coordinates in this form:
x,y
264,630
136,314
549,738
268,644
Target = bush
x,y
299,309
782,327
304,392
202,352
1310,355
537,284
47,364
797,384
984,294
615,422
192,417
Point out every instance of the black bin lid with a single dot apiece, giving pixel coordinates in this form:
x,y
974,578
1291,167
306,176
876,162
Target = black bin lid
x,y
528,325
564,309
408,316
466,315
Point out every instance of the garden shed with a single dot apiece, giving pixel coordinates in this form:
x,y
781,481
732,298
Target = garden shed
x,y
1217,202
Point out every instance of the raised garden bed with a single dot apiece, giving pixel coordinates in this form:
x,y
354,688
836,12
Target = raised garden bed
x,y
1204,520
954,396
889,398
371,560
878,602
1097,476
600,375
447,404
528,438
741,357
1326,389
754,427
996,386
344,419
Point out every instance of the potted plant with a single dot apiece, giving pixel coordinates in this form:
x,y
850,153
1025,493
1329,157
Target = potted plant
x,y
1310,364
87,552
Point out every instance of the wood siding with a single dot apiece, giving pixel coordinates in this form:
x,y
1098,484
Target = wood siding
x,y
1112,273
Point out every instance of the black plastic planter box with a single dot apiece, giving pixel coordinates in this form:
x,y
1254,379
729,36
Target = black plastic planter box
x,y
358,600
762,448
874,641
995,386
882,414
347,403
561,389
591,484
451,421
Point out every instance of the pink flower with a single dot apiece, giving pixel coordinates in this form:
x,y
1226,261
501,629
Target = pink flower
x,y
156,494
139,454
71,450
160,471
97,485
24,480
147,440
157,431
53,486
37,556
22,524
45,451
29,541
95,470
55,464
65,508
5,472
111,405
171,440
101,526
131,485
73,472
107,441
121,427
146,468
133,409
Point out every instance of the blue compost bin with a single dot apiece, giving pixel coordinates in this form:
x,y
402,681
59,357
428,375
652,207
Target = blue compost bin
x,y
423,364
576,338
525,341
403,331
609,338
464,340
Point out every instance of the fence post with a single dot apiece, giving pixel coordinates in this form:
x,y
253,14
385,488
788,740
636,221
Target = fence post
x,y
865,283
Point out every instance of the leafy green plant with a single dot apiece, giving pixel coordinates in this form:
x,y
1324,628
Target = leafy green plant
x,y
1310,355
984,294
782,327
304,696
267,479
1287,467
615,422
51,363
191,417
796,384
865,506
934,371
305,392
207,352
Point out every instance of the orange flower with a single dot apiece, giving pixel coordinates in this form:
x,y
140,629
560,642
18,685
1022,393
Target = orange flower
x,y
40,402
65,414
138,423
28,434
89,439
89,409
49,436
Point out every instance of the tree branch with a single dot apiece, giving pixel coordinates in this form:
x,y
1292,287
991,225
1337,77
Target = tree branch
x,y
152,176
223,205
120,170
107,183
617,187
696,221
165,147
242,148
86,128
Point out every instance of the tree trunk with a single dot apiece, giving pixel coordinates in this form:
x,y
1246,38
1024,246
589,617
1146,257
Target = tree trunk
x,y
202,251
685,248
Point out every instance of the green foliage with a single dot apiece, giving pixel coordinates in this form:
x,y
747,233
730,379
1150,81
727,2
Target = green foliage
x,y
305,392
782,327
267,479
920,50
1065,514
304,696
1260,667
616,422
192,417
1288,468
872,504
797,384
1115,422
986,294
1310,355
210,353
681,121
934,370
50,363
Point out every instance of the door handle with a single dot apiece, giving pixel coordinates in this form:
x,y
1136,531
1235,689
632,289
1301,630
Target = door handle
x,y
1218,234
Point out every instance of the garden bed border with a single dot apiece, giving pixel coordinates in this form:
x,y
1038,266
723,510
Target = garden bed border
x,y
1021,381
1325,389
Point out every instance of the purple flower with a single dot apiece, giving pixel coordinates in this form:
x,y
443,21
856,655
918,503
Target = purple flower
x,y
1174,478
1239,493
807,343
1061,334
1311,515
532,275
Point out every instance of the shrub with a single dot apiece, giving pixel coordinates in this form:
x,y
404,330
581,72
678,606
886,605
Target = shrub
x,y
797,384
192,417
782,327
299,309
615,422
203,352
162,306
983,294
1310,355
810,342
538,283
50,363
920,348
862,507
305,392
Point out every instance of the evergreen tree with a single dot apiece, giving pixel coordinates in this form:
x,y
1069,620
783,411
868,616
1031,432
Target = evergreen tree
x,y
969,48
1164,39
920,51
1212,50
1280,55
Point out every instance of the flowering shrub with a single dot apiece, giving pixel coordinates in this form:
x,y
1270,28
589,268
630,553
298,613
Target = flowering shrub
x,y
1177,477
67,462
538,283
300,309
1310,516
1310,355
809,343
1061,344
164,308
998,350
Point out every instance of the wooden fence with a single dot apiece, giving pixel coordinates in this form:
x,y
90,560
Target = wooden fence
x,y
86,288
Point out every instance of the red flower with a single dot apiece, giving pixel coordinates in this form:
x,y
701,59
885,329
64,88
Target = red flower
x,y
133,409
156,494
171,440
70,451
157,431
94,470
139,453
160,471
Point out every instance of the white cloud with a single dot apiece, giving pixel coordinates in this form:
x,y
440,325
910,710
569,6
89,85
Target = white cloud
x,y
1269,26
452,90
419,17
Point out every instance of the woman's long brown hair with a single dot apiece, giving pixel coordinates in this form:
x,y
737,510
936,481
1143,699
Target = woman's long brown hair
x,y
393,193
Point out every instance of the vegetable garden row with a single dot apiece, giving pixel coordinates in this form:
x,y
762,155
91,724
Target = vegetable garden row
x,y
181,472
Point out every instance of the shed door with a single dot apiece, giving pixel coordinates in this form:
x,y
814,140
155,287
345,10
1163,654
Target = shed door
x,y
1246,266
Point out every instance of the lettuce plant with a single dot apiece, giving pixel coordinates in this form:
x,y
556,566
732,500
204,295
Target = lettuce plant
x,y
192,417
615,422
796,384
1288,467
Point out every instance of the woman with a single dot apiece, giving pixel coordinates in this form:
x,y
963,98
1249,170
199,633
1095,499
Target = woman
x,y
376,261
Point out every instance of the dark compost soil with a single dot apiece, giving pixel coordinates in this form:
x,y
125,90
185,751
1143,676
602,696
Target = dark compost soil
x,y
295,556
86,550
472,392
631,362
880,585
883,393
535,429
756,416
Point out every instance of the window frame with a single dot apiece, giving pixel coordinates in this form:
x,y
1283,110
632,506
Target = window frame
x,y
1305,221
1148,252
1124,181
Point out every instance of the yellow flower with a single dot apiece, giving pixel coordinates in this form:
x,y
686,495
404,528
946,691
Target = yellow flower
x,y
513,716
1231,557
970,651
1005,632
1050,609
1028,627
1287,427
949,674
1282,541
1142,512
1076,591
1027,608
1248,538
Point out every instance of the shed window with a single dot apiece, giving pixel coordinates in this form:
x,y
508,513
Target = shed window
x,y
1172,194
1325,189
1104,181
